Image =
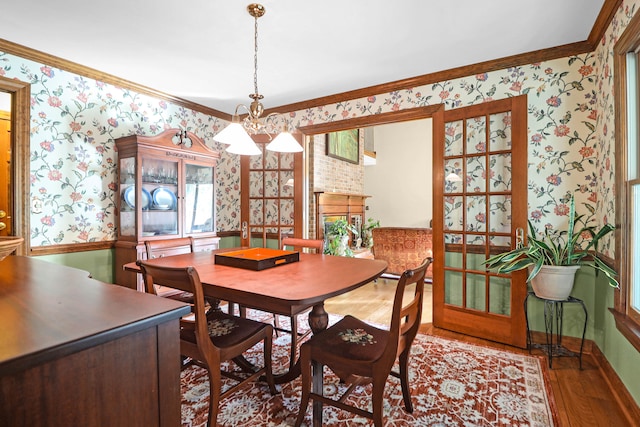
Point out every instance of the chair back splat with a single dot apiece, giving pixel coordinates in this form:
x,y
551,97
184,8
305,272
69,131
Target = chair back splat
x,y
214,337
168,247
300,244
360,353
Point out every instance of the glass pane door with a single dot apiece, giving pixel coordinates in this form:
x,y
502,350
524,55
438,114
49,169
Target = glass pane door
x,y
476,157
271,196
199,201
159,197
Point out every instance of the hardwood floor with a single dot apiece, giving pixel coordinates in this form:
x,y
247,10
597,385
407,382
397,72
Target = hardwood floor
x,y
583,397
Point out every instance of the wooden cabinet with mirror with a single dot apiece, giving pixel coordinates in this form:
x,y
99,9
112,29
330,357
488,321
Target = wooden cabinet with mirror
x,y
166,190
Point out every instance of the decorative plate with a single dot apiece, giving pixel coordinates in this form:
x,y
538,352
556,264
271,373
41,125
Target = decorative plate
x,y
164,199
129,197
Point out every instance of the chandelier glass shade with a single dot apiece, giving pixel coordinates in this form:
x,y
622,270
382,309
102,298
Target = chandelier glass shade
x,y
238,133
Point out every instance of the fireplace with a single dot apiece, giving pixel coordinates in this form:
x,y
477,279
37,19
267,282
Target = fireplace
x,y
333,206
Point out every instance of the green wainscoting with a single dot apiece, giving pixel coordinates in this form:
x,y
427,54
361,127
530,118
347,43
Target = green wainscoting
x,y
98,263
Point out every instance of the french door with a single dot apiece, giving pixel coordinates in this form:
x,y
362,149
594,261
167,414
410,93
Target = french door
x,y
271,195
480,206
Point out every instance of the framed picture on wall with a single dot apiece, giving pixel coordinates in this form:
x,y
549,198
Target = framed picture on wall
x,y
344,145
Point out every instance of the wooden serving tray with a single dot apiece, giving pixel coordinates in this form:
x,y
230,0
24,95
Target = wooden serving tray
x,y
257,258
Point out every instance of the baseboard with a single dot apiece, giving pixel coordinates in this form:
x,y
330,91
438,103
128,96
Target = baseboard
x,y
570,343
617,388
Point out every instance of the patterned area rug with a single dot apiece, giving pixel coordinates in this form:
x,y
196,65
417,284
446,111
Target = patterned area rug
x,y
452,384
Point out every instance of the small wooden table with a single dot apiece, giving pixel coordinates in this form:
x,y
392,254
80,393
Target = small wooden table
x,y
286,289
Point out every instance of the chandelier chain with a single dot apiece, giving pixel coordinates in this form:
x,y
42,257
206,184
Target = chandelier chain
x,y
255,57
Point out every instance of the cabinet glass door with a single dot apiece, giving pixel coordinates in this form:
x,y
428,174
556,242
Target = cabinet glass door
x,y
199,200
158,199
127,197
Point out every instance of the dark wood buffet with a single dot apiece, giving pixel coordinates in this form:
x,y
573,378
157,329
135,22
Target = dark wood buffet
x,y
75,351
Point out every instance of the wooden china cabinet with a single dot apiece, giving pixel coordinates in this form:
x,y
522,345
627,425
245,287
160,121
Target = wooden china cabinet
x,y
166,190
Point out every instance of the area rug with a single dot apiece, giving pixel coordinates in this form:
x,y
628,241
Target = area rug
x,y
452,384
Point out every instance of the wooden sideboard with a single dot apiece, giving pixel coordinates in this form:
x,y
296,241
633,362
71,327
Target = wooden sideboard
x,y
78,352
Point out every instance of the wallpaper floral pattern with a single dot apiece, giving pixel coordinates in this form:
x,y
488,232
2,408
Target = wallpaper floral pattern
x,y
74,121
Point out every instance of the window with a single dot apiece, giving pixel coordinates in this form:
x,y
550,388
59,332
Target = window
x,y
627,98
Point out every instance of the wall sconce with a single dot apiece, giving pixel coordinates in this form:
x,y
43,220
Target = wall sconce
x,y
181,138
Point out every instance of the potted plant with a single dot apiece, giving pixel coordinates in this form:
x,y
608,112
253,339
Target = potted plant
x,y
554,259
367,234
338,236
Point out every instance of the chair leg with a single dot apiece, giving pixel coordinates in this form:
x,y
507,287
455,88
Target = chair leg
x,y
376,398
268,342
403,362
305,367
276,324
214,396
317,388
294,341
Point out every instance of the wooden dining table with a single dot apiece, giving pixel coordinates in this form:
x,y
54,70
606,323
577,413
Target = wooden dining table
x,y
287,289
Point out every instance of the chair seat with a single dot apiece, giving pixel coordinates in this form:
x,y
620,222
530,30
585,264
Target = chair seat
x,y
225,330
350,339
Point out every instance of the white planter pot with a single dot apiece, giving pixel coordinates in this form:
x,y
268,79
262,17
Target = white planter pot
x,y
554,282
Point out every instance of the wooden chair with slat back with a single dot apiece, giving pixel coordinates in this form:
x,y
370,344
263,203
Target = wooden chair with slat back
x,y
359,353
170,247
300,245
213,338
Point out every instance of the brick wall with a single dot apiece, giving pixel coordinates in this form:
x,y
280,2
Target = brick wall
x,y
330,174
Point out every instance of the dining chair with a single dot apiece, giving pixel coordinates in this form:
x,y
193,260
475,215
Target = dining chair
x,y
297,244
216,337
360,353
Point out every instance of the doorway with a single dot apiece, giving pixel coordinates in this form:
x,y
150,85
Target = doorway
x,y
6,167
18,191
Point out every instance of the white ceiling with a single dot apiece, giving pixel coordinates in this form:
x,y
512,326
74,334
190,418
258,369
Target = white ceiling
x,y
202,51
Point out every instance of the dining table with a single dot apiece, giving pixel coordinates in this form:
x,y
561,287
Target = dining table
x,y
286,289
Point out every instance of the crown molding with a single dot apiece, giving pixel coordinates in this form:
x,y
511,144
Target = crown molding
x,y
609,8
63,64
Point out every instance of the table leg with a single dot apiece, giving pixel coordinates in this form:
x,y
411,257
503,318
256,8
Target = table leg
x,y
318,321
318,318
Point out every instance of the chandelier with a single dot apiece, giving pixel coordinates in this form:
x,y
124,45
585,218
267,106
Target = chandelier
x,y
237,133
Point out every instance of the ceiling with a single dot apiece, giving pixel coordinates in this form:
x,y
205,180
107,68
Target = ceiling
x,y
202,51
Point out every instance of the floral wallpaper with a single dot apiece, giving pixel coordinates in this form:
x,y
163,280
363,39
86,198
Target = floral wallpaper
x,y
605,126
74,121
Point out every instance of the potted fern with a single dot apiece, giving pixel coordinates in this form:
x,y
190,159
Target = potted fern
x,y
554,259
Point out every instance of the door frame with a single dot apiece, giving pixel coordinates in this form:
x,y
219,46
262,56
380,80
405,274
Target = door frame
x,y
20,148
390,117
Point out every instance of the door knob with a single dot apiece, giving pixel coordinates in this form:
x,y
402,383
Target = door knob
x,y
2,226
2,214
